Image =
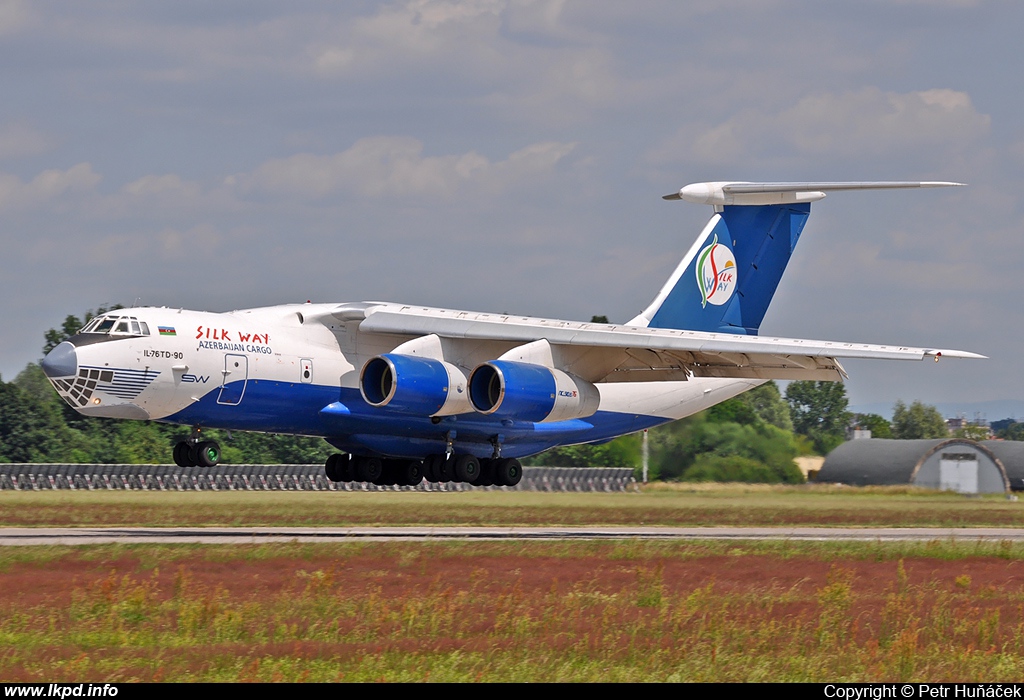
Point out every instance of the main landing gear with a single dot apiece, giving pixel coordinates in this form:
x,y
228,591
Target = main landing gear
x,y
435,469
197,453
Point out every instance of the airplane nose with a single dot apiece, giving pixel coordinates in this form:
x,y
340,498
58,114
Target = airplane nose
x,y
62,361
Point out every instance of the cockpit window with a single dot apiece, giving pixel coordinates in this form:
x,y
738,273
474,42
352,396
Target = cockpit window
x,y
104,326
116,325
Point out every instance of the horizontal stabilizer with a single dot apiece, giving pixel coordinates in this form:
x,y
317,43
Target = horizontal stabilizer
x,y
761,193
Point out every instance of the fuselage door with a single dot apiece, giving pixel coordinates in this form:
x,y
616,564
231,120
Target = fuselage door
x,y
236,376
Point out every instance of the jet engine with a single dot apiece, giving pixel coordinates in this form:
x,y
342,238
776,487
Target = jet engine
x,y
531,392
410,384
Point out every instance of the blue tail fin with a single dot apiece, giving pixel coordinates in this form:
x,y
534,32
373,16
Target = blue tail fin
x,y
728,278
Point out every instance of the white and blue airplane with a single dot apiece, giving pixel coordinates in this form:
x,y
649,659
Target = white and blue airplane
x,y
407,392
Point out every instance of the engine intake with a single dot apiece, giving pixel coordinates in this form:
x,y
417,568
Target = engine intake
x,y
418,385
530,392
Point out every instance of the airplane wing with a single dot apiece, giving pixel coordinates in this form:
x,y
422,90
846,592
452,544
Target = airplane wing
x,y
609,353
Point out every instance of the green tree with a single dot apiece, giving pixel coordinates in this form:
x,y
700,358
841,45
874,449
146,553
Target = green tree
x,y
972,432
767,402
31,429
917,422
599,319
728,430
712,467
879,426
818,410
32,380
1013,431
621,452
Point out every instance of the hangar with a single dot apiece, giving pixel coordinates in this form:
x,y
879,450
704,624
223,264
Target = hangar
x,y
1011,454
953,464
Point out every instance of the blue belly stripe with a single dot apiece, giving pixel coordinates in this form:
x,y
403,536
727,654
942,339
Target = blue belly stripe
x,y
349,423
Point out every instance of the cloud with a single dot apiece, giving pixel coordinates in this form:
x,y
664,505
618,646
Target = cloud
x,y
14,14
183,244
394,166
863,123
520,60
164,198
161,185
941,3
46,186
18,140
407,32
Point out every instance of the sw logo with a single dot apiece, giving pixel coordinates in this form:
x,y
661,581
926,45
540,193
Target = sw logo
x,y
716,274
194,379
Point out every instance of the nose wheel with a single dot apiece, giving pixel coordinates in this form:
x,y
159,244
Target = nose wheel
x,y
188,453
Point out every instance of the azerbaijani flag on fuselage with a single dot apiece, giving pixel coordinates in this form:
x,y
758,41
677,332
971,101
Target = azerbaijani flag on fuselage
x,y
166,330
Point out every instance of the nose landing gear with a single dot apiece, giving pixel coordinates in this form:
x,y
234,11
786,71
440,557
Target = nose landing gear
x,y
197,453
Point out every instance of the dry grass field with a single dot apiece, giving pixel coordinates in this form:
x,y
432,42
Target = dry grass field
x,y
692,505
534,611
514,611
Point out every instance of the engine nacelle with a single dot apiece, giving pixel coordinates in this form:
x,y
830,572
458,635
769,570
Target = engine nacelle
x,y
531,392
410,384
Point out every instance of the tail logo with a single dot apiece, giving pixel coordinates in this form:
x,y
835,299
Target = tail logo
x,y
716,274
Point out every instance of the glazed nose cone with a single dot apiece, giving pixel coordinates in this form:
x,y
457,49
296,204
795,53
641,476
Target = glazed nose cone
x,y
62,361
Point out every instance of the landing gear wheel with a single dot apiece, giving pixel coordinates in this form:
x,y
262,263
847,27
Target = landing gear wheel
x,y
388,472
410,473
181,455
331,467
445,470
207,454
368,469
432,468
507,472
467,469
486,473
346,468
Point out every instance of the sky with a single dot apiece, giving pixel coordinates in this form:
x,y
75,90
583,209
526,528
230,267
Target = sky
x,y
510,156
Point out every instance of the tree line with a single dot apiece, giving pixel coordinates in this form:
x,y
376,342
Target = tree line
x,y
755,436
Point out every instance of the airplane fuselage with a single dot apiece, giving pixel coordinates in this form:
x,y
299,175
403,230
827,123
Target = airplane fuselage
x,y
295,369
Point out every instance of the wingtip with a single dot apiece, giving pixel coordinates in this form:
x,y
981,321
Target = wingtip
x,y
961,354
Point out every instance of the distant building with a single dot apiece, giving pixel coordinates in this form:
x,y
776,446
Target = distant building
x,y
952,464
978,427
955,424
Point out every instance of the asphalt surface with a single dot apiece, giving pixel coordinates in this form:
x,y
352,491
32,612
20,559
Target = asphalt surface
x,y
257,535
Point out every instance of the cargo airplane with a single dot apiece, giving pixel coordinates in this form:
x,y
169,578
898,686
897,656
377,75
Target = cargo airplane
x,y
406,392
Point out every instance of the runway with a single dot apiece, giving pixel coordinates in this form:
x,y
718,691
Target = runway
x,y
259,535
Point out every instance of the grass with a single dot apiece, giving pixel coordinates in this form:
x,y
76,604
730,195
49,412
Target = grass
x,y
515,611
684,505
534,611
